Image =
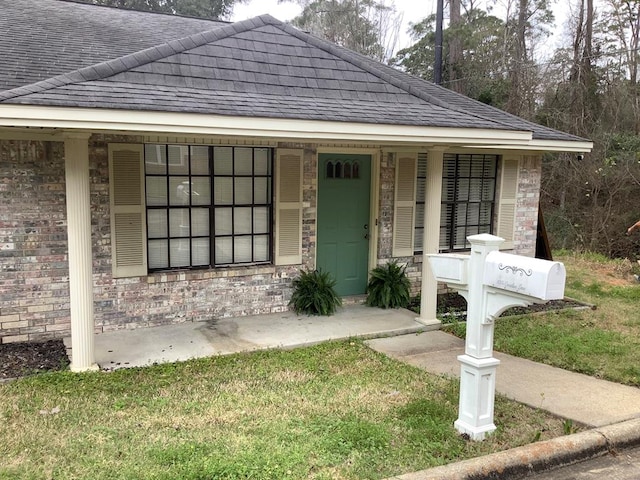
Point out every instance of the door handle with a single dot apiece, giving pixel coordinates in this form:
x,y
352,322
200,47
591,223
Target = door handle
x,y
366,236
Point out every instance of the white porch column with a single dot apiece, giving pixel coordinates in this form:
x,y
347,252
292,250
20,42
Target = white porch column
x,y
76,153
431,239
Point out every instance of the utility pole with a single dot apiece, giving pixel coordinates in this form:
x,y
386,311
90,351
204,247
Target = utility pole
x,y
437,68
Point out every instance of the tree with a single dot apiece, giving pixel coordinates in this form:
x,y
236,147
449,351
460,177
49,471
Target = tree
x,y
527,22
455,48
213,9
479,73
369,27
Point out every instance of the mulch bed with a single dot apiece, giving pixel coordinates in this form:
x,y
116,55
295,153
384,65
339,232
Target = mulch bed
x,y
453,304
20,359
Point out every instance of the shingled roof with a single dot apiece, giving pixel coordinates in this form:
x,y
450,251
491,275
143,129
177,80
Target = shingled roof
x,y
44,38
258,68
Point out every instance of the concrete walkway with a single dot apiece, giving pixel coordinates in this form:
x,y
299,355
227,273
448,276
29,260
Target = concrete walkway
x,y
171,343
581,398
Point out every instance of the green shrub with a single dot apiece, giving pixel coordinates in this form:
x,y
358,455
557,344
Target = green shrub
x,y
314,293
388,287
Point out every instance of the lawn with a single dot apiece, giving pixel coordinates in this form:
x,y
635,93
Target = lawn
x,y
332,411
603,342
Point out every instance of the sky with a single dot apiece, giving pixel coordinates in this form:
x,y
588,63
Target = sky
x,y
411,10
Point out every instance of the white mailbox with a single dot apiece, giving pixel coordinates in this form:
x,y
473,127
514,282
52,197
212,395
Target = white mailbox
x,y
533,277
449,267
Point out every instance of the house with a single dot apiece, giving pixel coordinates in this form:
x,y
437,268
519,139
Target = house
x,y
158,169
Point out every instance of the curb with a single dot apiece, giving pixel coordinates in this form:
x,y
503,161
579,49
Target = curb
x,y
537,457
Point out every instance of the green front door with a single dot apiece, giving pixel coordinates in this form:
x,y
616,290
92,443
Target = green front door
x,y
344,183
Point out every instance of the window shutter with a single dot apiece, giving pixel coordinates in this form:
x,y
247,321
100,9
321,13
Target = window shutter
x,y
128,226
507,206
404,205
288,207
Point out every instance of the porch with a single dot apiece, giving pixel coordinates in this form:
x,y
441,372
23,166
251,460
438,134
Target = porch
x,y
172,343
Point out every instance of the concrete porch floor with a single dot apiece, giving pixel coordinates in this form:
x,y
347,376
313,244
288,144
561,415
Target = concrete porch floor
x,y
172,343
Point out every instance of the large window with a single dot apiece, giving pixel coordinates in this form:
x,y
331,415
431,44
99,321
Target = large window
x,y
208,206
468,199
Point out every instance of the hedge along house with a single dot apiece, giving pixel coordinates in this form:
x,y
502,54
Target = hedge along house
x,y
158,169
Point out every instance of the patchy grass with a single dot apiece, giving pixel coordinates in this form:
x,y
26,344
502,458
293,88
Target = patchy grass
x,y
333,411
604,342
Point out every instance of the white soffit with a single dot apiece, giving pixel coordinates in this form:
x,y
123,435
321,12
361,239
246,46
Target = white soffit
x,y
195,124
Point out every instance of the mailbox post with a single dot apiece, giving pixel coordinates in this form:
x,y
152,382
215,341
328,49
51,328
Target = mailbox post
x,y
491,282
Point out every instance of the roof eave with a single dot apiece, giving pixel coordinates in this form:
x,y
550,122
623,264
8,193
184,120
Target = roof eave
x,y
536,145
198,124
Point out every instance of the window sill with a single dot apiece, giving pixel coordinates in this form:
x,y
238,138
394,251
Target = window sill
x,y
206,274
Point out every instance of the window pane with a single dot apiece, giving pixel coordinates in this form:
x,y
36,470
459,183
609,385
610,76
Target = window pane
x,y
242,252
201,191
261,248
180,252
446,215
223,250
485,213
261,220
444,238
155,159
178,160
199,160
419,236
422,165
419,215
157,223
420,192
262,163
448,189
199,222
449,166
243,161
179,190
222,160
472,230
158,253
241,220
156,191
200,251
488,189
464,165
223,190
490,166
475,190
473,214
461,214
460,239
179,222
477,166
261,191
463,190
244,191
224,225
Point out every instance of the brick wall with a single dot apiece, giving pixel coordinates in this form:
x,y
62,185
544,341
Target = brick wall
x,y
529,181
34,287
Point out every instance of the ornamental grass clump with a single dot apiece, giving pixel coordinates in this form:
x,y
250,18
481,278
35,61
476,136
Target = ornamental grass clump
x,y
388,287
314,293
